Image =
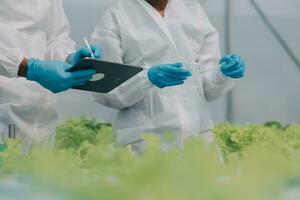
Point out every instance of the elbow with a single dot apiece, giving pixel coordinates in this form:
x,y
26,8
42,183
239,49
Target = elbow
x,y
114,103
211,97
117,105
214,92
120,104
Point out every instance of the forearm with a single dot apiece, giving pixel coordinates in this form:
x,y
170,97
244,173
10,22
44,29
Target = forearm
x,y
216,85
23,68
127,94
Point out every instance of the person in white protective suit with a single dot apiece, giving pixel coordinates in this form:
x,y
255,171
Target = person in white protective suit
x,y
164,97
30,107
33,34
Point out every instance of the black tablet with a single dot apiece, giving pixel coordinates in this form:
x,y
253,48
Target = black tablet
x,y
109,75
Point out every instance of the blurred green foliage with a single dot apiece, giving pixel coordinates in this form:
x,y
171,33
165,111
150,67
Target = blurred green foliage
x,y
262,162
74,132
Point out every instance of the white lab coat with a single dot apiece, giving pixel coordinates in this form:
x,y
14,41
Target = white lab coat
x,y
33,29
134,33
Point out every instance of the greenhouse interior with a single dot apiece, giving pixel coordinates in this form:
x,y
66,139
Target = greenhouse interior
x,y
216,135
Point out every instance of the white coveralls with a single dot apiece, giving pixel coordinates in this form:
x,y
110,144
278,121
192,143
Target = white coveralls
x,y
33,29
134,33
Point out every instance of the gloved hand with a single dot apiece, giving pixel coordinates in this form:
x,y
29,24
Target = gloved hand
x,y
54,75
168,75
82,53
233,66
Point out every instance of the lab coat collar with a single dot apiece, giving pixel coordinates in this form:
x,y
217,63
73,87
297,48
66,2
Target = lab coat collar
x,y
159,20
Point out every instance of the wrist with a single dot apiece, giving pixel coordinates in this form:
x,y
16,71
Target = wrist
x,y
220,78
70,58
32,66
23,68
146,77
148,73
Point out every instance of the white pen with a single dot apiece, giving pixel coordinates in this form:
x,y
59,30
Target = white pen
x,y
87,44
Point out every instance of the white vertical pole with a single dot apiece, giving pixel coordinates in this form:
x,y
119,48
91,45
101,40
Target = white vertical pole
x,y
228,24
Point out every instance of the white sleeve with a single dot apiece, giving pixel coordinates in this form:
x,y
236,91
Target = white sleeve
x,y
107,36
29,106
215,84
11,55
59,43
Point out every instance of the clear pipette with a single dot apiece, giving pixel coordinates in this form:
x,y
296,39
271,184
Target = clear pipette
x,y
195,68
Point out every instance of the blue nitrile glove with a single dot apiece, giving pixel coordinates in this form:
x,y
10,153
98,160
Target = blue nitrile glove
x,y
233,66
168,75
54,75
84,52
